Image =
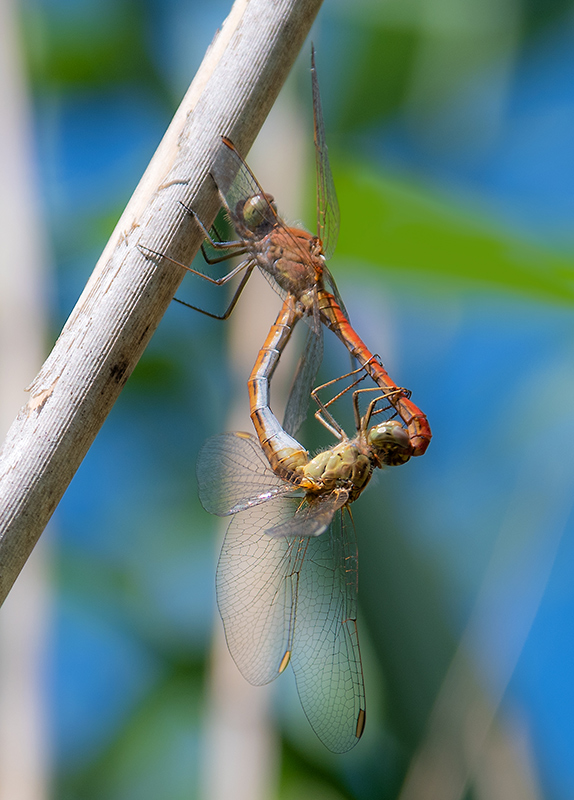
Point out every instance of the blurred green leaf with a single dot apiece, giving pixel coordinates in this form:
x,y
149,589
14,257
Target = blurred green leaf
x,y
379,76
393,225
88,46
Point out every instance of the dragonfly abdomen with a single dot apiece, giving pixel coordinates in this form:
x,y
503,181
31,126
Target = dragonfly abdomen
x,y
284,453
418,429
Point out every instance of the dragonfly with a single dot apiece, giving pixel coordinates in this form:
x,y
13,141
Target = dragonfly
x,y
294,262
288,570
287,574
285,454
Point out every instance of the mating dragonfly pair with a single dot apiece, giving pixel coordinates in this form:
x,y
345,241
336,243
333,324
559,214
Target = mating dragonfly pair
x,y
287,574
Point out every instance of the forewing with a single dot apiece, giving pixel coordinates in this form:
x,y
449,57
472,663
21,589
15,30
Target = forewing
x,y
257,579
312,519
332,286
233,474
237,183
326,657
327,204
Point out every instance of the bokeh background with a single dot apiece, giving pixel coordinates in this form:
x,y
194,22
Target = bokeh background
x,y
451,133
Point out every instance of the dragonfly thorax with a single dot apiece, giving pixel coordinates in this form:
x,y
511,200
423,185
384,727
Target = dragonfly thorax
x,y
292,257
343,465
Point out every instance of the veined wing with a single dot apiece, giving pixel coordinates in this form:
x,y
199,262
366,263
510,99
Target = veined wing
x,y
332,286
328,215
237,184
286,596
313,518
233,474
326,657
257,581
304,380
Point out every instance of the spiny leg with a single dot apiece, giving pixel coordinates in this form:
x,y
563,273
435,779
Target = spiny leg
x,y
232,304
363,421
217,281
323,414
217,245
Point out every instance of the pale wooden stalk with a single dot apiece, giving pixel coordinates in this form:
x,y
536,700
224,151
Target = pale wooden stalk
x,y
127,294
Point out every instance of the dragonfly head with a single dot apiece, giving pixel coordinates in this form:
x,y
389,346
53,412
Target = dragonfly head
x,y
259,213
390,442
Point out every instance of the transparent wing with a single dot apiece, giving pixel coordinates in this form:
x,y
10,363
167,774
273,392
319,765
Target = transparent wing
x,y
313,519
327,204
233,474
237,184
257,579
288,596
330,283
304,381
326,657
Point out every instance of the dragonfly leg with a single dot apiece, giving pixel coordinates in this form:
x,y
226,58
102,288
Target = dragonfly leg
x,y
231,305
235,250
217,281
363,421
217,245
340,378
324,405
225,257
324,416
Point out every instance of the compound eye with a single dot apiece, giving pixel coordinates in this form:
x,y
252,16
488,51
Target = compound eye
x,y
391,442
388,433
256,210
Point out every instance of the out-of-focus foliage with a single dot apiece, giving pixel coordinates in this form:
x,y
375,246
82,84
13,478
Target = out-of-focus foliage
x,y
404,228
88,46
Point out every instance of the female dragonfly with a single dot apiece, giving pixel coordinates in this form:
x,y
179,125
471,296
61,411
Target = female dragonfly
x,y
287,574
